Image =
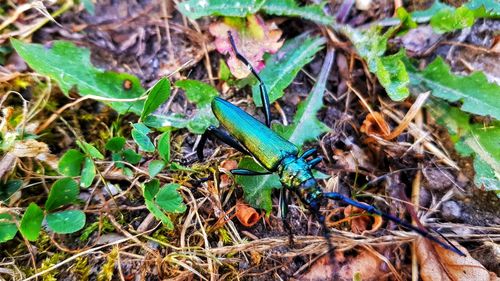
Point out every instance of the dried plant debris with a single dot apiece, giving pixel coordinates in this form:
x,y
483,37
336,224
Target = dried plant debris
x,y
105,106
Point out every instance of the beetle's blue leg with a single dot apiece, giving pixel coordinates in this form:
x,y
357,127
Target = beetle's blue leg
x,y
284,201
223,136
245,172
372,210
262,87
308,153
315,161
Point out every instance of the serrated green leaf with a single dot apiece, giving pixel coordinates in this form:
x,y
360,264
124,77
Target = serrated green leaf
x,y
63,191
477,95
151,189
115,144
70,163
195,9
290,8
282,67
451,19
158,213
31,222
140,135
169,199
8,188
131,156
90,150
65,222
197,92
88,172
155,167
164,146
257,189
158,94
481,142
8,228
54,61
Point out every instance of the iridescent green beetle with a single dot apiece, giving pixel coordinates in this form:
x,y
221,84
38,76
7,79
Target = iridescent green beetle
x,y
277,155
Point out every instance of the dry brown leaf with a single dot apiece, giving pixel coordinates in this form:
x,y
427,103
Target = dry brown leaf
x,y
29,148
375,125
439,264
227,165
253,38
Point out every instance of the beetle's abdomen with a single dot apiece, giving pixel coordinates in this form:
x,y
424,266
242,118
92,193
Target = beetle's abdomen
x,y
264,144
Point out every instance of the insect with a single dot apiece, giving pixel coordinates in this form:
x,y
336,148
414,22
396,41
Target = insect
x,y
277,155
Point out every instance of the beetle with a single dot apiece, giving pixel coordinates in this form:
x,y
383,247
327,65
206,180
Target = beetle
x,y
277,155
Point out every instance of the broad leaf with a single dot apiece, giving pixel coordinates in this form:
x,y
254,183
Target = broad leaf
x,y
472,139
158,213
66,221
140,135
8,228
131,156
164,146
63,191
257,189
157,95
169,199
197,92
70,163
115,144
477,95
155,167
88,172
31,222
70,66
282,67
290,8
151,189
451,19
195,9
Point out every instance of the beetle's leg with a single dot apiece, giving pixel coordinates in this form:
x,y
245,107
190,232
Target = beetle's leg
x,y
223,136
372,210
262,87
245,172
315,161
308,153
284,201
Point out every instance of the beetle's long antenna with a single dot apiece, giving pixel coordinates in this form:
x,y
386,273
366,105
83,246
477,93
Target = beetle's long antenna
x,y
372,210
262,87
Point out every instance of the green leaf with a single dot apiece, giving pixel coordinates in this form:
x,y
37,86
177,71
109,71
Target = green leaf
x,y
8,188
64,191
8,228
195,9
425,15
224,72
491,7
88,172
306,126
31,222
155,167
451,19
164,146
197,92
196,124
282,67
477,95
158,94
131,156
151,189
140,136
66,221
90,150
290,8
472,139
70,163
53,61
407,21
158,213
390,70
115,144
169,199
257,189
89,6
165,199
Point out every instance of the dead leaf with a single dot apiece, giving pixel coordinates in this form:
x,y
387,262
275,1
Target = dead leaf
x,y
227,165
29,148
253,37
375,125
360,220
439,264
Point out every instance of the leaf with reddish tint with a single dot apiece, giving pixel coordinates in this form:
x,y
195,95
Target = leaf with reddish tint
x,y
253,37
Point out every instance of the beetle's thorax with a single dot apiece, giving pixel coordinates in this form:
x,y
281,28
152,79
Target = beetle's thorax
x,y
295,174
